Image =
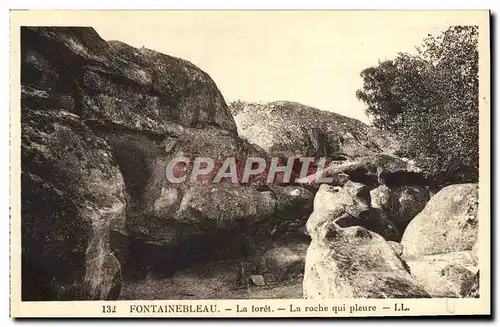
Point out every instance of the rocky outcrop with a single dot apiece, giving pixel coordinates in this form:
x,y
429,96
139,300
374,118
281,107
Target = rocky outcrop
x,y
351,148
96,116
73,197
448,223
354,262
290,128
348,257
353,152
119,114
162,205
74,69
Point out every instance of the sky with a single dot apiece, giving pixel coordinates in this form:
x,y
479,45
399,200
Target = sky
x,y
312,57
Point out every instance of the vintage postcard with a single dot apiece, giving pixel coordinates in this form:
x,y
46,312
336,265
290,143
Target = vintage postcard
x,y
250,163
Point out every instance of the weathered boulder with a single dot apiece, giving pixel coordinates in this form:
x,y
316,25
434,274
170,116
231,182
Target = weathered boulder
x,y
290,128
137,89
347,206
211,221
381,198
225,205
160,196
354,262
73,196
448,223
283,261
444,275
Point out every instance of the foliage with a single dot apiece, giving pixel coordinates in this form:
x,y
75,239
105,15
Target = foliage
x,y
430,100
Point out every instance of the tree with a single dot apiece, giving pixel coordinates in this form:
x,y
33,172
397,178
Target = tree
x,y
430,100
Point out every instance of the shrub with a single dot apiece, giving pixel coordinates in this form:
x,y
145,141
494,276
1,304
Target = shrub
x,y
430,100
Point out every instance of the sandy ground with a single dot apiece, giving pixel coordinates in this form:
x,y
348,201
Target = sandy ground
x,y
207,281
213,280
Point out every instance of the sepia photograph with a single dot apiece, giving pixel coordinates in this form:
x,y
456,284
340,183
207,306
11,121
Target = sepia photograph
x,y
250,155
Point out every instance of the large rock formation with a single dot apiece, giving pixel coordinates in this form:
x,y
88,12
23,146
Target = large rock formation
x,y
73,196
348,257
352,150
101,120
290,128
472,288
448,223
356,263
440,244
97,117
73,69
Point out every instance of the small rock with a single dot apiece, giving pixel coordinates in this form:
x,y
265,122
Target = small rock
x,y
258,280
381,198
